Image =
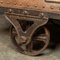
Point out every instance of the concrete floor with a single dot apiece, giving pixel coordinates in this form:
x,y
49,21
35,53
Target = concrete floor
x,y
8,51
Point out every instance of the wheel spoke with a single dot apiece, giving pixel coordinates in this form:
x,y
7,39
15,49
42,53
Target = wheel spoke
x,y
29,47
42,37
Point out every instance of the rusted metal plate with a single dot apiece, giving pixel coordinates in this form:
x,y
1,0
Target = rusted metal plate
x,y
20,3
40,5
33,4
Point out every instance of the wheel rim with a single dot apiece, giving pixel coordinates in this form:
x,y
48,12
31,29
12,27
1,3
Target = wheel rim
x,y
43,41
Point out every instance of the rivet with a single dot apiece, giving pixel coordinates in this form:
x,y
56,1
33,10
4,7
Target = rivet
x,y
8,2
20,4
43,6
15,3
35,5
27,5
1,1
52,7
41,15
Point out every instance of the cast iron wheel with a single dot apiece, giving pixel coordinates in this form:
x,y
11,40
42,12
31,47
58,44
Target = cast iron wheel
x,y
39,42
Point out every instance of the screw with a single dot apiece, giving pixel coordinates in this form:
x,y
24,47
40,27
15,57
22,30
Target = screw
x,y
10,10
25,12
41,15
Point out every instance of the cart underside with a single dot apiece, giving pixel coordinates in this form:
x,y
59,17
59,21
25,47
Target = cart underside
x,y
28,19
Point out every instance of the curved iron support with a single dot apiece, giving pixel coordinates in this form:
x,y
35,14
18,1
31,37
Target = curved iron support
x,y
12,18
